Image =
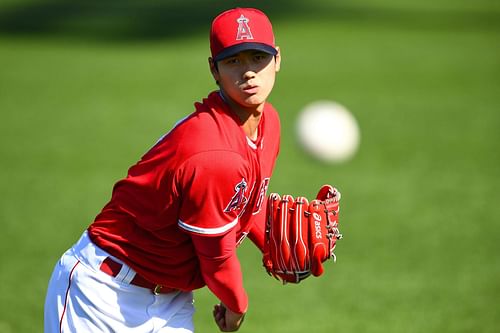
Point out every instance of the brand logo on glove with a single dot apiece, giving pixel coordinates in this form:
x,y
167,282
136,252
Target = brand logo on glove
x,y
317,225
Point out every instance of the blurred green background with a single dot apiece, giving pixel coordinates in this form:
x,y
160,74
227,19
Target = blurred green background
x,y
86,87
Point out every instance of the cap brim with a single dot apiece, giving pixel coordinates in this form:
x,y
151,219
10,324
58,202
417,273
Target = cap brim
x,y
232,50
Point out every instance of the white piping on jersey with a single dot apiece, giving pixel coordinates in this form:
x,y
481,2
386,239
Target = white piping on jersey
x,y
251,143
207,231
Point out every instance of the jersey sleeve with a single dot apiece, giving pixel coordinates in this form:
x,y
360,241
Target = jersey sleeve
x,y
257,234
214,192
221,269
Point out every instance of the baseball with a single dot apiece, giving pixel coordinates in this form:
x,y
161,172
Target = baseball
x,y
328,131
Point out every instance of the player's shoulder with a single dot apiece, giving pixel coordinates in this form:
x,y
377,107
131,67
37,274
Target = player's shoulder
x,y
215,163
271,122
209,114
209,128
271,114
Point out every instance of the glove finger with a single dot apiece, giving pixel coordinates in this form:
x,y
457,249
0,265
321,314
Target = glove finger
x,y
319,242
270,244
332,208
328,192
299,231
316,262
283,233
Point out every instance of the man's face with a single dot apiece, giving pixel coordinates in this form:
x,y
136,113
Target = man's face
x,y
247,78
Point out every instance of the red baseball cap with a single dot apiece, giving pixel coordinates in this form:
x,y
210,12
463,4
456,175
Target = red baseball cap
x,y
241,29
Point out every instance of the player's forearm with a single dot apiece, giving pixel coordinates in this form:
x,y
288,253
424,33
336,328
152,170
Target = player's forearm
x,y
225,280
257,234
221,269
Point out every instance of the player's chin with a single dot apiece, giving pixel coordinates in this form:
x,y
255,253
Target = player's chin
x,y
254,100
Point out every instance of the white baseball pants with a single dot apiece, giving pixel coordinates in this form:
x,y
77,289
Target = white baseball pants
x,y
82,298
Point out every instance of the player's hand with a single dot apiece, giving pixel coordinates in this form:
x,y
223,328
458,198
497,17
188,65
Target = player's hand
x,y
227,320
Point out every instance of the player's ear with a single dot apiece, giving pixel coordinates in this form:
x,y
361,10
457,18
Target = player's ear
x,y
213,69
277,59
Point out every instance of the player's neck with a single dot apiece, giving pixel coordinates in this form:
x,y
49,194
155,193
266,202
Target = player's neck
x,y
251,127
249,121
249,117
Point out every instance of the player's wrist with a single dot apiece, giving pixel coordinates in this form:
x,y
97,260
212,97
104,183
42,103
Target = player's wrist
x,y
233,319
238,313
227,320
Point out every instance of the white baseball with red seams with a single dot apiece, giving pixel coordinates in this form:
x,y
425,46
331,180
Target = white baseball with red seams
x,y
328,131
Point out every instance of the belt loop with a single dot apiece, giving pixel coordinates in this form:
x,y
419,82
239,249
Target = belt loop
x,y
129,276
123,273
157,290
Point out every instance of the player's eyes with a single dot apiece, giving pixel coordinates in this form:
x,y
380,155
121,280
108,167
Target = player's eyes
x,y
231,61
256,57
260,56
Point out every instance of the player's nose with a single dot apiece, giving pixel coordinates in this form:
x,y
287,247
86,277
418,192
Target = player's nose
x,y
247,68
249,74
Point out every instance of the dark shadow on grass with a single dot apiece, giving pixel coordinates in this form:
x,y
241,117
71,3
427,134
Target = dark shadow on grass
x,y
126,20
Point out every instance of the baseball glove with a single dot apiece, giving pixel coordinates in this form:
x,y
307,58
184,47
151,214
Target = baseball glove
x,y
300,235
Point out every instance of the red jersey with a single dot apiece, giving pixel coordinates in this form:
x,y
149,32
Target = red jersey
x,y
204,177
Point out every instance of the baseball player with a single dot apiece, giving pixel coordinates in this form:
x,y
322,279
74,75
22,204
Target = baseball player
x,y
173,224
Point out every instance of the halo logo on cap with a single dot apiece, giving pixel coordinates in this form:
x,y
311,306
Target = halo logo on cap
x,y
241,29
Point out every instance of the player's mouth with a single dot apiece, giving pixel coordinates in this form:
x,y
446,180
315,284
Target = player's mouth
x,y
251,89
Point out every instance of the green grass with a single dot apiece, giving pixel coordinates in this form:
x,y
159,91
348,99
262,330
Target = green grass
x,y
420,199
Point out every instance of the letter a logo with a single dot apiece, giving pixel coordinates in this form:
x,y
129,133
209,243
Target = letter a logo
x,y
243,29
239,200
